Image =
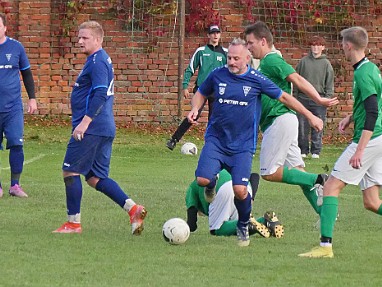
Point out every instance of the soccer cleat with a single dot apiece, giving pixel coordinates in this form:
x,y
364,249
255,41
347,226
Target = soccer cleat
x,y
171,143
137,215
315,156
69,227
303,155
319,188
256,227
17,191
1,192
319,252
242,236
273,224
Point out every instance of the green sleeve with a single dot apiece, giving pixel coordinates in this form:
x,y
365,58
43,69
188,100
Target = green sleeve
x,y
190,70
195,197
329,81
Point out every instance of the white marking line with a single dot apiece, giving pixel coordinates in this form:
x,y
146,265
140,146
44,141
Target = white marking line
x,y
33,159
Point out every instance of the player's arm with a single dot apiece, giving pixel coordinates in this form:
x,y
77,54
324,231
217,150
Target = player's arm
x,y
191,205
371,109
190,71
196,103
292,103
329,81
305,87
30,88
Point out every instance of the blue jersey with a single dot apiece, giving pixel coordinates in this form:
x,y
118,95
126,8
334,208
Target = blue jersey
x,y
233,124
96,74
13,59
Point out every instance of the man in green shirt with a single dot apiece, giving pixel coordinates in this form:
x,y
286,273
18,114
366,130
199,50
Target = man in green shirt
x,y
204,60
280,156
222,213
361,162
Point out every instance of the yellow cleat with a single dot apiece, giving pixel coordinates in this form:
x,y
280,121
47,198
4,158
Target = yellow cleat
x,y
319,252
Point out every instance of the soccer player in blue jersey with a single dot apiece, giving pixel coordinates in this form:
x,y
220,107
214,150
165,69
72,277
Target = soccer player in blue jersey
x,y
13,59
89,149
231,135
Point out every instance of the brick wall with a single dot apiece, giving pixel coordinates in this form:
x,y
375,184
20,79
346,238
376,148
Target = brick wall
x,y
146,68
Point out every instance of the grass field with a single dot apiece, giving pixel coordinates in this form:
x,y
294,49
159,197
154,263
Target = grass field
x,y
106,254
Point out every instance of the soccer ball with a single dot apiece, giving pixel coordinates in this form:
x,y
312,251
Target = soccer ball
x,y
175,231
189,148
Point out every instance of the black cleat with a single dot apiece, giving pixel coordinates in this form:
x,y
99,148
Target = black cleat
x,y
171,143
274,225
256,227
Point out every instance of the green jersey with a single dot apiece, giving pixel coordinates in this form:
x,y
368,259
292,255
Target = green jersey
x,y
367,81
274,67
205,59
195,193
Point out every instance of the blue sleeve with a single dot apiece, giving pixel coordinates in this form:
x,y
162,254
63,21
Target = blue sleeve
x,y
270,89
23,61
100,87
207,87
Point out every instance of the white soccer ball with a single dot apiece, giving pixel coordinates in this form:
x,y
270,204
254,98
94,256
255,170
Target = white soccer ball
x,y
176,231
189,148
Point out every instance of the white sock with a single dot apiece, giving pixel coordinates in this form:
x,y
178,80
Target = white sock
x,y
129,203
76,218
325,244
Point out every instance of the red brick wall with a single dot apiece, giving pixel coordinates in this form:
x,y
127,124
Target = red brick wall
x,y
146,70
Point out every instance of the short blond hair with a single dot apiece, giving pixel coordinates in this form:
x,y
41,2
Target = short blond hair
x,y
94,26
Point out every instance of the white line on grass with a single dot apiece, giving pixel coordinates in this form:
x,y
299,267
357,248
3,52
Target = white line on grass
x,y
33,159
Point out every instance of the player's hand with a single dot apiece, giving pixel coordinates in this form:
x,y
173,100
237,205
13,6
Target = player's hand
x,y
186,93
192,116
344,124
79,131
356,160
316,123
328,102
32,106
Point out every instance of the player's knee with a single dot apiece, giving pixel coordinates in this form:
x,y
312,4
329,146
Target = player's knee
x,y
202,181
92,181
240,192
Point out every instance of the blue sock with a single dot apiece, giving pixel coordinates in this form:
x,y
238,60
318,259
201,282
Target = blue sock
x,y
16,161
212,183
243,209
111,189
73,187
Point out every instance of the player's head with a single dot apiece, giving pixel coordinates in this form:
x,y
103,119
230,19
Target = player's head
x,y
354,40
90,37
214,35
317,45
3,27
259,39
238,56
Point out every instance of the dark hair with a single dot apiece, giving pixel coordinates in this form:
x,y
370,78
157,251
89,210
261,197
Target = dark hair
x,y
260,30
317,40
2,16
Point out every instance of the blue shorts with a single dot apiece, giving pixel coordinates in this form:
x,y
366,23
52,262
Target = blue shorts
x,y
90,155
212,160
12,126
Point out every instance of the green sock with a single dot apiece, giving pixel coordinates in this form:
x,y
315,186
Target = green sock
x,y
298,177
328,215
261,220
228,228
379,211
311,196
